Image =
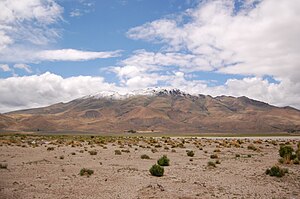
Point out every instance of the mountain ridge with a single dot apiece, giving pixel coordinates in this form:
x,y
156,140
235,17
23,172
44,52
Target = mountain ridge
x,y
160,110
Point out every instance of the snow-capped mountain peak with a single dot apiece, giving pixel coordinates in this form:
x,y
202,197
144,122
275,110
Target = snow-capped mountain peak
x,y
146,92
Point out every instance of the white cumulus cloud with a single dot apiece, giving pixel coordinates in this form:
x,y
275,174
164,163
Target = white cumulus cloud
x,y
48,88
258,39
28,28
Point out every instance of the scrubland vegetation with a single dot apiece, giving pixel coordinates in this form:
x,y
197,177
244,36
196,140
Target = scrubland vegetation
x,y
195,164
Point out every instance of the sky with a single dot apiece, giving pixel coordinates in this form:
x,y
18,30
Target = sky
x,y
57,50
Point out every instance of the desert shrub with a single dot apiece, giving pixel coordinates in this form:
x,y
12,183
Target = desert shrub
x,y
181,145
286,152
156,170
118,152
217,150
214,156
61,157
296,161
86,172
249,156
274,142
144,156
3,166
125,150
154,150
276,171
211,164
281,160
237,155
190,153
173,151
73,153
252,147
218,162
163,161
50,148
93,152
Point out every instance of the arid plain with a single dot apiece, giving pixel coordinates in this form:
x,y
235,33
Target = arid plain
x,y
49,167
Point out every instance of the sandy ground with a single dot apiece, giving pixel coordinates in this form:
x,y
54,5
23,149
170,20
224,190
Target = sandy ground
x,y
35,172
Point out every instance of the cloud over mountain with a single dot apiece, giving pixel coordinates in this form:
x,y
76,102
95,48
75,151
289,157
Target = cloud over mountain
x,y
252,45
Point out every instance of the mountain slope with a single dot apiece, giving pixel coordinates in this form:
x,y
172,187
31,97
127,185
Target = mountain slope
x,y
162,110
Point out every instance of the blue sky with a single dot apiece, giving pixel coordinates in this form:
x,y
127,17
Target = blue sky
x,y
58,50
102,27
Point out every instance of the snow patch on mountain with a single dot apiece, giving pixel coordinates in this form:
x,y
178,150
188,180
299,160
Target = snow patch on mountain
x,y
144,92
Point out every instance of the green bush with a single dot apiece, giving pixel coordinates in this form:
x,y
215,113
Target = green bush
x,y
163,161
86,172
276,171
190,153
156,170
296,161
144,156
286,152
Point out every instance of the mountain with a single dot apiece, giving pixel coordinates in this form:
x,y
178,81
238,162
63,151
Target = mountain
x,y
157,110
